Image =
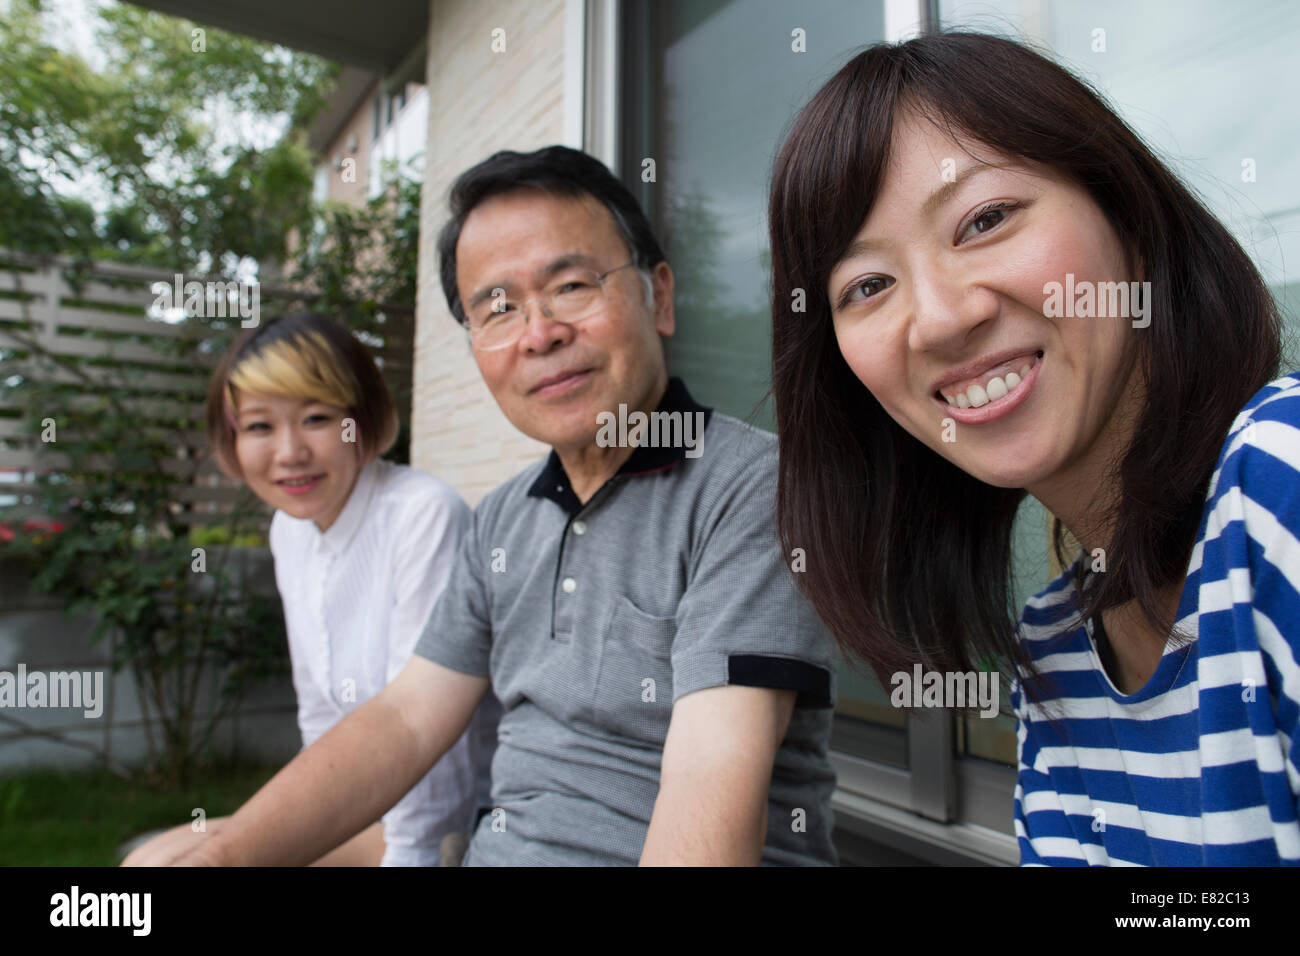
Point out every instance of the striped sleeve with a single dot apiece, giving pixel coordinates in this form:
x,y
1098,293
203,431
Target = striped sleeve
x,y
1249,607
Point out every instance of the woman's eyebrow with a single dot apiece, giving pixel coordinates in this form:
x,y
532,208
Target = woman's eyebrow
x,y
946,191
932,203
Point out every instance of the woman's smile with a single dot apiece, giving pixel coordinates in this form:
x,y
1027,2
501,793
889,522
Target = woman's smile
x,y
994,394
302,484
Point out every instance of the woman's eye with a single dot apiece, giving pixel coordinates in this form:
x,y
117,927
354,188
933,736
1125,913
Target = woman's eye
x,y
868,288
989,218
318,418
256,426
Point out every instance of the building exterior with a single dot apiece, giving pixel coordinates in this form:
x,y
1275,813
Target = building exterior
x,y
363,127
687,100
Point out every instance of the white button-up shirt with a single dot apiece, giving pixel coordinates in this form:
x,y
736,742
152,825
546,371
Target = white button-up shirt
x,y
356,599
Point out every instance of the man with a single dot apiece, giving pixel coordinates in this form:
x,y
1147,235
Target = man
x,y
667,693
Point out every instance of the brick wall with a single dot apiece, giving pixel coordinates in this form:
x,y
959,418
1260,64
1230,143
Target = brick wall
x,y
480,101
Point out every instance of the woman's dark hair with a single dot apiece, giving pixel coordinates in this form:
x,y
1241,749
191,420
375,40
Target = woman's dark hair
x,y
912,555
302,355
557,170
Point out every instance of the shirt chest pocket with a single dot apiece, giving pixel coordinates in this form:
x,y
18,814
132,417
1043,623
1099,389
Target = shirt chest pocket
x,y
634,684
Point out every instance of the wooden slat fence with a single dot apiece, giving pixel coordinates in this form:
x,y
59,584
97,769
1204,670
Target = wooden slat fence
x,y
100,324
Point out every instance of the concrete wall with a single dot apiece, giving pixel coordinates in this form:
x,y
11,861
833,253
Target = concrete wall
x,y
36,632
479,102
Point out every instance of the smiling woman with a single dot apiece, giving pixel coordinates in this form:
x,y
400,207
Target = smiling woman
x,y
931,205
298,410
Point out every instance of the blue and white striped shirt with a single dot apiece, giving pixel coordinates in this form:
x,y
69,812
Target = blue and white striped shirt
x,y
1199,767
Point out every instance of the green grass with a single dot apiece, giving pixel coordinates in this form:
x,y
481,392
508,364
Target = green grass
x,y
56,818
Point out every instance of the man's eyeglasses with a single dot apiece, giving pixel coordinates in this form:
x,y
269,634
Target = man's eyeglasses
x,y
498,321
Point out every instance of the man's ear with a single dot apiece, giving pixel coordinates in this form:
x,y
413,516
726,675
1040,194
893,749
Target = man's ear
x,y
665,317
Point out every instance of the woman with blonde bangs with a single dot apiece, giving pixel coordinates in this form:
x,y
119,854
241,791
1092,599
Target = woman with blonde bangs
x,y
298,411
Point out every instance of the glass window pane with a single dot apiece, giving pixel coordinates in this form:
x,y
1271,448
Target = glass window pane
x,y
730,83
1209,86
730,80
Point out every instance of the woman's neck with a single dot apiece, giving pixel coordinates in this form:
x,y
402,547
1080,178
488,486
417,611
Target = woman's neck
x,y
1135,646
1085,496
1085,492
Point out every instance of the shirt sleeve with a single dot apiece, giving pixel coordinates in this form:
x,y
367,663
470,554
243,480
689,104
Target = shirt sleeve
x,y
1249,622
741,620
430,535
458,634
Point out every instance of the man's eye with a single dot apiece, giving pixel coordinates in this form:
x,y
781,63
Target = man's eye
x,y
480,319
573,285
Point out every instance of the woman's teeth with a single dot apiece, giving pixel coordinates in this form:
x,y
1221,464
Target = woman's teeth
x,y
299,482
996,387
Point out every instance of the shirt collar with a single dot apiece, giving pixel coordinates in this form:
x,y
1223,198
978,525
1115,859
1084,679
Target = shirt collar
x,y
554,483
350,519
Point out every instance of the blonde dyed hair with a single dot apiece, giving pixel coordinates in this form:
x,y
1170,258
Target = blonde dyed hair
x,y
303,367
306,356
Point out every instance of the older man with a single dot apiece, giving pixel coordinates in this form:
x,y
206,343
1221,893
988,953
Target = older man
x,y
667,693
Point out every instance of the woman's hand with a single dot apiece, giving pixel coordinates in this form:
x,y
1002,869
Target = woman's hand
x,y
168,848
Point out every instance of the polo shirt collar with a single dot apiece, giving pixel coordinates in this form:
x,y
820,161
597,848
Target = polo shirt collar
x,y
353,515
554,483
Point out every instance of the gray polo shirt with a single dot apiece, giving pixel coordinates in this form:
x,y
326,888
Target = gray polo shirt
x,y
591,620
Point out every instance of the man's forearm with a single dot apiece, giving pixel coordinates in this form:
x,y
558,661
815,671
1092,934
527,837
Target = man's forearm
x,y
331,791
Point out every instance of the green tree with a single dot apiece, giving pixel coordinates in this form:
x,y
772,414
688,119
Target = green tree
x,y
166,129
175,129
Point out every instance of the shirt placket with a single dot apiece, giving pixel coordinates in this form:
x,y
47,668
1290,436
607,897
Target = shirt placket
x,y
324,560
568,570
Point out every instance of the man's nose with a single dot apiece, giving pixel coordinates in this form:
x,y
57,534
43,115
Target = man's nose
x,y
541,330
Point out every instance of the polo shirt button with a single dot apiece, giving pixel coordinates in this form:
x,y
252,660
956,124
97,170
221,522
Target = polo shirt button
x,y
579,527
569,585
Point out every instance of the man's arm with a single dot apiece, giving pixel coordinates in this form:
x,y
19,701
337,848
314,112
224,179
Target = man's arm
x,y
715,776
351,776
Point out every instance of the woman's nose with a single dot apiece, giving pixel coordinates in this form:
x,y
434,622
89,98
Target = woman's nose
x,y
290,446
947,307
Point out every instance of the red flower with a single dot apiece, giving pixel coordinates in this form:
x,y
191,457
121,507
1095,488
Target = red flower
x,y
42,524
